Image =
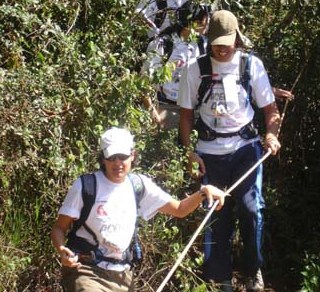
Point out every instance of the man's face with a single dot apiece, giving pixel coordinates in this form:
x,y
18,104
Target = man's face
x,y
117,167
223,53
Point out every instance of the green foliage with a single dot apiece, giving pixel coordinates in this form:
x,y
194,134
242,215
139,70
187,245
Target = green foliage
x,y
69,69
62,83
11,261
311,274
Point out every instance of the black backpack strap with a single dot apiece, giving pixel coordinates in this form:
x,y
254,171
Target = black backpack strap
x,y
139,189
244,73
200,43
205,67
161,13
167,43
89,188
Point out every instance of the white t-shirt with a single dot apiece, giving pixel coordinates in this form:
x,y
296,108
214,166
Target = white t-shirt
x,y
227,108
182,53
113,215
149,9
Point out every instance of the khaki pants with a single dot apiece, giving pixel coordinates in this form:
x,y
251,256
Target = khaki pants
x,y
92,278
169,114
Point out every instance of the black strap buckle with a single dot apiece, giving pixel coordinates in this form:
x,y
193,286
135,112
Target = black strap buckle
x,y
205,133
94,257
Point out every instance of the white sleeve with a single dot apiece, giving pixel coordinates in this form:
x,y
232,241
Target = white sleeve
x,y
155,52
189,85
148,9
261,88
73,202
153,199
141,6
180,52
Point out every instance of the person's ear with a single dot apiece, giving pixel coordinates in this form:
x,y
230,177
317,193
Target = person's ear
x,y
133,155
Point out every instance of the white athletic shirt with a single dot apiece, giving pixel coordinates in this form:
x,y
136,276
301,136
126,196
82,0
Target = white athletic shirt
x,y
113,215
227,109
182,53
149,8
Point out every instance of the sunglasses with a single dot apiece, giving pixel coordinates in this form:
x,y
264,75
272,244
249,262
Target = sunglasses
x,y
121,157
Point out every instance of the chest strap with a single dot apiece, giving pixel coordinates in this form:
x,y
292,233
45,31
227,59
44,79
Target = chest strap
x,y
205,133
94,257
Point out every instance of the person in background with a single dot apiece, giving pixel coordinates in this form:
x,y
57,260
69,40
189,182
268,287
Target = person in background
x,y
175,47
157,14
281,93
96,259
228,145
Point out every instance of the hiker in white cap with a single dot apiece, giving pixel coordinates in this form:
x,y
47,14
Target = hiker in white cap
x,y
97,220
226,91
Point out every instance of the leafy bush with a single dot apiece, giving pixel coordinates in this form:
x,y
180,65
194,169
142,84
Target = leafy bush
x,y
311,274
69,69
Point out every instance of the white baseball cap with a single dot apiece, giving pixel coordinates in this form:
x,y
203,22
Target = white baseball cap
x,y
116,141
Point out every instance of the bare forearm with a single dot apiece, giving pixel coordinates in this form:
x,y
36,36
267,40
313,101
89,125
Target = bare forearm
x,y
186,125
272,119
191,203
183,208
67,257
58,238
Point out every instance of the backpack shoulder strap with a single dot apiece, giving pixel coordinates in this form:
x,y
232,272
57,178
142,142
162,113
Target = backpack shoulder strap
x,y
89,189
244,73
205,67
200,42
167,47
161,14
138,186
139,189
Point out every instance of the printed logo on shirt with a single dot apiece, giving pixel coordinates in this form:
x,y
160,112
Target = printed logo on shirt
x,y
101,211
